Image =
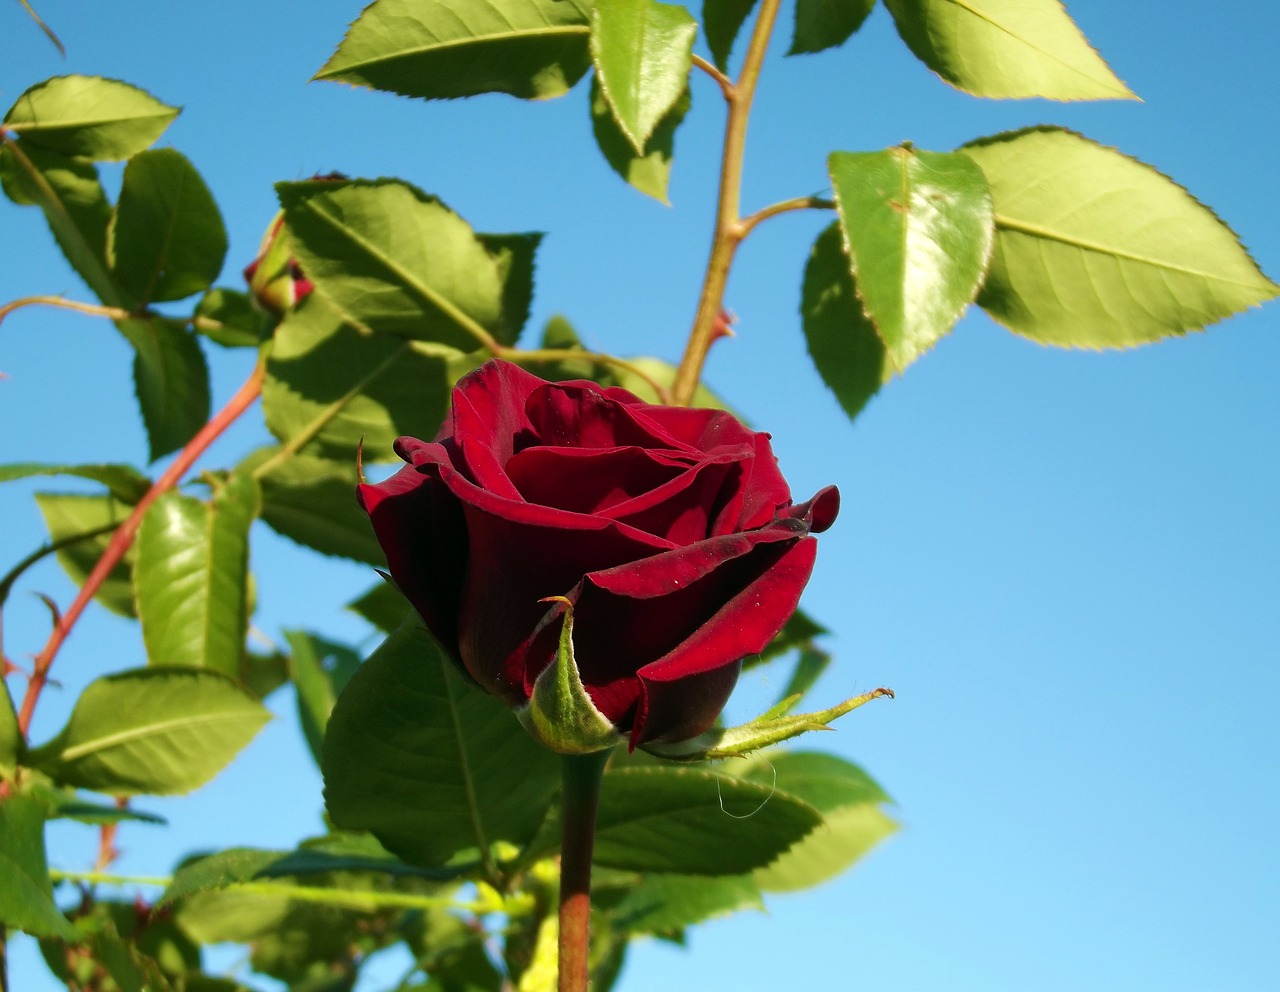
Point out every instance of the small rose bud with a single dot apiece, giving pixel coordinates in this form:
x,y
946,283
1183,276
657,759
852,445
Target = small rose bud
x,y
274,278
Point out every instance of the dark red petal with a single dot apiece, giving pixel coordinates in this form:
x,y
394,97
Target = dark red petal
x,y
419,524
588,480
764,491
676,711
700,428
488,425
582,415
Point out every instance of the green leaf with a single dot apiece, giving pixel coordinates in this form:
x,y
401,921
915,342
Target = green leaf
x,y
843,343
61,803
172,382
642,51
70,515
410,742
312,501
334,388
125,482
191,576
665,904
694,821
849,800
823,24
155,731
919,230
513,256
650,170
383,606
440,49
721,22
74,204
11,742
228,317
26,894
1006,48
1097,250
166,240
320,669
89,117
394,260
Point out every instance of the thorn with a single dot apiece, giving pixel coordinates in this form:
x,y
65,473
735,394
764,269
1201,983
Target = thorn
x,y
876,694
53,608
723,326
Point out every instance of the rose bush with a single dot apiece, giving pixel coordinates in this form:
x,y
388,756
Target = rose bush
x,y
670,531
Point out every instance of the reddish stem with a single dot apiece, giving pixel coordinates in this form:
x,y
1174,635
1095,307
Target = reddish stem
x,y
125,533
581,776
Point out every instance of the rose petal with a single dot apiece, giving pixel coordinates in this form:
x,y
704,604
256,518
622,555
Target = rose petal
x,y
591,481
582,415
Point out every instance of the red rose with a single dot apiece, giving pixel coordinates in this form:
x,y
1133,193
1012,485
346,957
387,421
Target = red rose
x,y
669,529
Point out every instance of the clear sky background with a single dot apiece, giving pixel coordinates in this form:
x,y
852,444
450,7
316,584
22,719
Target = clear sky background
x,y
1066,564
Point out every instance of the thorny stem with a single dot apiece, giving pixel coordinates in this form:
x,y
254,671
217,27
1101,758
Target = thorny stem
x,y
123,537
581,775
729,230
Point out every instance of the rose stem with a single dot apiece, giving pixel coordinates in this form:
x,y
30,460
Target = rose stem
x,y
729,230
581,775
123,537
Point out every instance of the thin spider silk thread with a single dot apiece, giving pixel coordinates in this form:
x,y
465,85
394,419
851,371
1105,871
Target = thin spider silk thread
x,y
763,803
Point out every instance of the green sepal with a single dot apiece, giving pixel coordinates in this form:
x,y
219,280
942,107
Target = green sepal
x,y
771,727
560,714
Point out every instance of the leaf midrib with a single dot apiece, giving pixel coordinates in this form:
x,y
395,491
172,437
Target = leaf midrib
x,y
125,737
436,47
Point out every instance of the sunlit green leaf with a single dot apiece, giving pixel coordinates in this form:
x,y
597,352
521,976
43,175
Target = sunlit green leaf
x,y
338,388
172,382
450,48
849,800
89,117
642,50
74,204
125,482
823,24
694,821
721,22
154,731
649,171
26,894
918,227
411,742
166,240
69,515
1097,250
843,343
191,573
666,904
320,669
1006,48
11,742
391,259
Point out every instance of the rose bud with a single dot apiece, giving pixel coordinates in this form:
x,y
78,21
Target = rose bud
x,y
665,535
274,278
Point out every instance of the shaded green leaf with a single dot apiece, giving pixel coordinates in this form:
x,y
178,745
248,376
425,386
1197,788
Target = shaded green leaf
x,y
89,117
320,669
62,803
166,240
823,24
69,516
439,49
157,731
229,317
394,260
172,382
125,482
642,51
843,343
191,576
26,894
722,20
409,741
74,204
513,256
853,822
1097,250
11,742
312,501
689,821
335,388
383,606
918,226
665,904
650,170
1006,48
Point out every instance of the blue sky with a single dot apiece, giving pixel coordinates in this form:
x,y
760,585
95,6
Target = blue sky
x,y
1066,564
